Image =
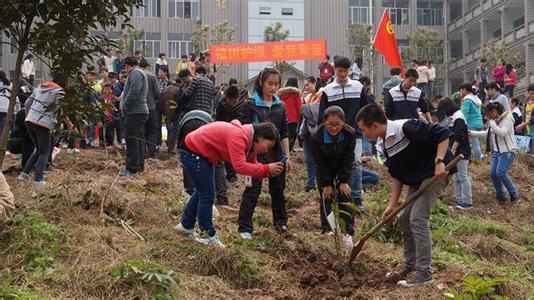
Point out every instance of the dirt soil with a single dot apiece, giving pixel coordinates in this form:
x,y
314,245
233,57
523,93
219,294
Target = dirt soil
x,y
301,264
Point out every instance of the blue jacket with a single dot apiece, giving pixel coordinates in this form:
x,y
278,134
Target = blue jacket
x,y
471,108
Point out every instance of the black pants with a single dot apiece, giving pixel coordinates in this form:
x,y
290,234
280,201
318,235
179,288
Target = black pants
x,y
41,138
159,124
292,130
172,134
109,132
346,213
134,129
220,185
150,134
230,172
27,148
250,199
481,90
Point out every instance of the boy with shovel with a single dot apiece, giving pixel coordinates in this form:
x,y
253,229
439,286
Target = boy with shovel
x,y
414,153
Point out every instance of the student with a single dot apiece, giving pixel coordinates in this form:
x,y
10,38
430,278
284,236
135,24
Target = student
x,y
517,114
499,72
228,109
265,106
292,98
494,94
41,108
447,108
310,113
471,109
350,96
111,115
207,147
332,146
510,80
414,151
500,138
405,100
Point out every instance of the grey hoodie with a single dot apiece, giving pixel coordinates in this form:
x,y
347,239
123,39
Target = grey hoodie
x,y
135,93
43,103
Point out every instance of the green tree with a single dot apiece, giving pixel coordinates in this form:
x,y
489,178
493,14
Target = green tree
x,y
423,45
275,33
222,33
58,32
127,38
359,38
496,49
200,37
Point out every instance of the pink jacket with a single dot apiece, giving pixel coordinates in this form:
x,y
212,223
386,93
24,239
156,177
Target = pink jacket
x,y
231,142
510,79
498,73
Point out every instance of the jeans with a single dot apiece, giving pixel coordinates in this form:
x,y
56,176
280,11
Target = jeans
x,y
292,132
369,177
462,184
41,138
356,178
2,120
346,213
172,135
476,151
430,89
134,129
220,184
367,147
250,199
500,163
200,205
109,132
310,165
509,90
150,133
415,227
423,87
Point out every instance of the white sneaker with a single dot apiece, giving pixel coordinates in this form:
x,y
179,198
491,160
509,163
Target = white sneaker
x,y
39,184
211,241
347,240
187,232
245,235
24,177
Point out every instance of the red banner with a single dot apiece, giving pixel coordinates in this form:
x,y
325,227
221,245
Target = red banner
x,y
275,51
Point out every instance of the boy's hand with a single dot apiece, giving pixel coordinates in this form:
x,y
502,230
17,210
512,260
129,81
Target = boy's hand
x,y
440,170
289,165
345,189
327,193
276,169
388,211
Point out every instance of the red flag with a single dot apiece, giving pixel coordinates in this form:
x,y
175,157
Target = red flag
x,y
385,43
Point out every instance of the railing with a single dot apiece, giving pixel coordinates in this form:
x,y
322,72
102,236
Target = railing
x,y
520,32
531,27
487,5
477,10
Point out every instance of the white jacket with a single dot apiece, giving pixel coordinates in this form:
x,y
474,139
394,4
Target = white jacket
x,y
502,134
28,68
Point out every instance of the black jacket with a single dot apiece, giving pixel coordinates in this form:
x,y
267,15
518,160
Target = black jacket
x,y
400,105
256,110
226,113
333,157
458,128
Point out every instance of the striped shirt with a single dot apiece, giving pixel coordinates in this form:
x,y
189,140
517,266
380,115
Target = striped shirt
x,y
202,93
400,105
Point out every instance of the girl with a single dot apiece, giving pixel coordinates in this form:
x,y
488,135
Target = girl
x,y
498,73
110,117
265,106
208,146
332,146
500,135
459,145
310,114
510,80
357,69
292,98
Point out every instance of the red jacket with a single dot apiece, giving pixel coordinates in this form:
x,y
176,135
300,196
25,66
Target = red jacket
x,y
498,73
510,79
292,99
231,142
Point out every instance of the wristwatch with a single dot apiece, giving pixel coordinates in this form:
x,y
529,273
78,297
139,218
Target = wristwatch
x,y
438,160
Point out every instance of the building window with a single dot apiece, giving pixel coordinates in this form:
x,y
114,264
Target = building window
x,y
399,11
265,10
13,47
179,48
151,9
429,13
359,11
287,11
519,22
149,48
183,9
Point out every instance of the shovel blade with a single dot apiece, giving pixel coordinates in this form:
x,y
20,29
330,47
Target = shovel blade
x,y
356,250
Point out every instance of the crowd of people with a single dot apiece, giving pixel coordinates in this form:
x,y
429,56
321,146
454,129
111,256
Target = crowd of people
x,y
219,132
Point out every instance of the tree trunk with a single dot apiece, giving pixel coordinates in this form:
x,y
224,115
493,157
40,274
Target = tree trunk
x,y
12,99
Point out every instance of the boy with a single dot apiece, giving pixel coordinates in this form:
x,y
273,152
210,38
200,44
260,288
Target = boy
x,y
414,152
404,100
350,96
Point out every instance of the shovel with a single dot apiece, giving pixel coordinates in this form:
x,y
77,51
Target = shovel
x,y
359,245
